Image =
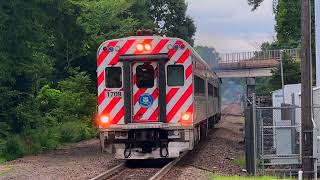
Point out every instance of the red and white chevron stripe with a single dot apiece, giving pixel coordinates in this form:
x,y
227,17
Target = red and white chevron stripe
x,y
178,99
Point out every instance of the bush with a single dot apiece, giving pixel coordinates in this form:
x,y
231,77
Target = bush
x,y
41,140
75,131
13,148
51,118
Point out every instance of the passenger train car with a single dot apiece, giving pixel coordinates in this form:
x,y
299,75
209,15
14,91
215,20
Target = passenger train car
x,y
156,97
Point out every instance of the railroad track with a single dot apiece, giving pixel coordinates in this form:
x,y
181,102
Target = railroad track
x,y
129,170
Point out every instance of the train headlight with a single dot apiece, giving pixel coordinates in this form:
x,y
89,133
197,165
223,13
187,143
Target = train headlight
x,y
186,118
103,121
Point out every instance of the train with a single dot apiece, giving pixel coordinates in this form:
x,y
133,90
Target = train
x,y
157,98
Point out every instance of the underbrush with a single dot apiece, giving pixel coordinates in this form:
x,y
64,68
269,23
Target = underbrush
x,y
40,140
50,118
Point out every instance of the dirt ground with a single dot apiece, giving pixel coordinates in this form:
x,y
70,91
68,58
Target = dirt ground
x,y
220,154
82,160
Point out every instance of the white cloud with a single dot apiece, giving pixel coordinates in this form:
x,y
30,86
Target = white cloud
x,y
230,25
227,44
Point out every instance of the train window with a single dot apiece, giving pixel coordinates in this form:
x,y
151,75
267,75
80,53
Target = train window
x,y
113,77
175,75
145,76
199,86
216,92
210,90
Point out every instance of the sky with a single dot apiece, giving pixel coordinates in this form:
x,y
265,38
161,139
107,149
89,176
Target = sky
x,y
230,25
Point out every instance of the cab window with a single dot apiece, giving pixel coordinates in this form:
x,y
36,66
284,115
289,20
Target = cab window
x,y
113,77
175,75
145,76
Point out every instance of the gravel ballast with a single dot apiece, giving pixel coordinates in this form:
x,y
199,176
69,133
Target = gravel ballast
x,y
82,160
217,154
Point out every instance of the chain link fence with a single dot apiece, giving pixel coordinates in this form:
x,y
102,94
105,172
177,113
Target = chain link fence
x,y
278,140
273,139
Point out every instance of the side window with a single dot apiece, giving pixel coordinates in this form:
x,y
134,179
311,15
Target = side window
x,y
113,77
198,86
175,75
145,76
216,92
210,90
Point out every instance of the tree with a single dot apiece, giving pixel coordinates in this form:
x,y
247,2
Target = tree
x,y
287,16
171,19
288,21
254,3
48,64
209,54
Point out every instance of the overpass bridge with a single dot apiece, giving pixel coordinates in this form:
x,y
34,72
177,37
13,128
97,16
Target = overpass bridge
x,y
251,64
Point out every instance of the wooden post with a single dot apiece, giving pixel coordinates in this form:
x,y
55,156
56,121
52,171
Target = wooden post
x,y
306,91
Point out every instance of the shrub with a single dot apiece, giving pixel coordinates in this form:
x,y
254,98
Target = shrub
x,y
14,148
75,131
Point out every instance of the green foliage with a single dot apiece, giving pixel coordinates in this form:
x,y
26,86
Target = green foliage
x,y
291,73
48,69
240,161
288,28
74,131
14,148
214,177
288,21
209,54
171,19
254,3
263,86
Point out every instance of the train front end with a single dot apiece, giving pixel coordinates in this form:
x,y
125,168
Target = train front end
x,y
145,97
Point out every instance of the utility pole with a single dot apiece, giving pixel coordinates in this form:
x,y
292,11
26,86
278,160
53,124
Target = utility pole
x,y
306,90
282,78
317,24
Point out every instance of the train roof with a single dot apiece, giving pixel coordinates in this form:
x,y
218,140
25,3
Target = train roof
x,y
193,51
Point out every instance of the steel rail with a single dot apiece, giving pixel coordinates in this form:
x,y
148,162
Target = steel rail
x,y
167,168
110,172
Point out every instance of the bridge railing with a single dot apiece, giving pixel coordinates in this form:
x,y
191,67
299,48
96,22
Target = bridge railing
x,y
257,55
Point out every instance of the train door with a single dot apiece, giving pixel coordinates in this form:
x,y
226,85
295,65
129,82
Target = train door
x,y
145,92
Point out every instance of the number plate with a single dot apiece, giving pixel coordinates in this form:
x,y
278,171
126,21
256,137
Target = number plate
x,y
112,94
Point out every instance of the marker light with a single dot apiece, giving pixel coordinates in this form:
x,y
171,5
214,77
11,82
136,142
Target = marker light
x,y
186,118
139,47
147,47
110,49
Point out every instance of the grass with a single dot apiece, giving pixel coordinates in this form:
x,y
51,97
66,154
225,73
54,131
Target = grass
x,y
240,161
214,177
2,160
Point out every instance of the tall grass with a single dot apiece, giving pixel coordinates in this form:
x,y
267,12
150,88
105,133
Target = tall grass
x,y
39,140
